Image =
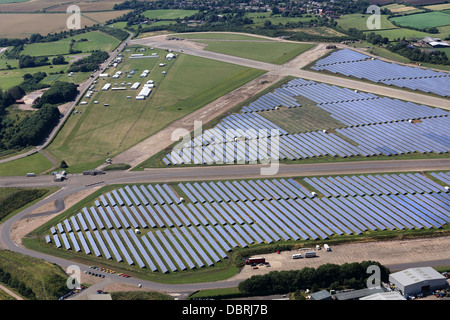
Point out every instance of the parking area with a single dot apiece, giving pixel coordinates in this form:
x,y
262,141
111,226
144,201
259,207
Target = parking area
x,y
389,253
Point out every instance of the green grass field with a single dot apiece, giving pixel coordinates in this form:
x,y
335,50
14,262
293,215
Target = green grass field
x,y
35,163
306,118
191,82
393,34
168,14
219,36
272,52
96,40
359,21
423,20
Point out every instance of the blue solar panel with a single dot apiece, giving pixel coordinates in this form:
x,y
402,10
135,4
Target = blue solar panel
x,y
130,247
56,240
74,242
161,266
105,250
65,241
125,197
119,214
112,246
97,218
89,219
82,222
75,223
180,252
148,195
86,248
93,244
118,198
189,249
137,215
205,244
197,247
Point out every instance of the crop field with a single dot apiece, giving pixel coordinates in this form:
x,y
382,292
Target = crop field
x,y
96,40
99,132
438,7
272,52
168,14
423,20
20,25
54,5
401,8
359,21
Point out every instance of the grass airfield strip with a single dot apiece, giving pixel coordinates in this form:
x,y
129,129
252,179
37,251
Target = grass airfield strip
x,y
191,82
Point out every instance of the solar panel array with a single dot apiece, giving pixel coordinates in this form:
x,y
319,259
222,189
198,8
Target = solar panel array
x,y
345,62
216,217
371,125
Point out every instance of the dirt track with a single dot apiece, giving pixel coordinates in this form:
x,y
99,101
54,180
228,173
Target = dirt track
x,y
389,253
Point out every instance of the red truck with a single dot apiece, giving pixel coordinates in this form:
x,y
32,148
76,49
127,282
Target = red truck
x,y
255,260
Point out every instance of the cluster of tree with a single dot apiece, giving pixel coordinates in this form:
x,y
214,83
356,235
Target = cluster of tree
x,y
26,61
414,54
32,82
33,129
18,199
59,60
117,33
9,97
89,63
376,39
59,92
13,282
329,276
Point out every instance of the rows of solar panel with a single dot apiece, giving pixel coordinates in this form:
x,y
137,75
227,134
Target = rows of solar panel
x,y
242,213
388,73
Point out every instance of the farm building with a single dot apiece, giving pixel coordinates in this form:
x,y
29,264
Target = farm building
x,y
119,88
384,296
417,280
103,75
135,86
170,56
106,87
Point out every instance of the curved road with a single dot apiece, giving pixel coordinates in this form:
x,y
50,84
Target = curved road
x,y
76,183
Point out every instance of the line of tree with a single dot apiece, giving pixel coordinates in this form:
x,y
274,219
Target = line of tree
x,y
18,199
327,276
89,63
418,55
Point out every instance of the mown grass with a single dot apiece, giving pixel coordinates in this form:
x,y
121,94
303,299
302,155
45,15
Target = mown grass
x,y
35,163
101,132
271,52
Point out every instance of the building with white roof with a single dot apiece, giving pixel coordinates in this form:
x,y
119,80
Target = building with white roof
x,y
417,280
